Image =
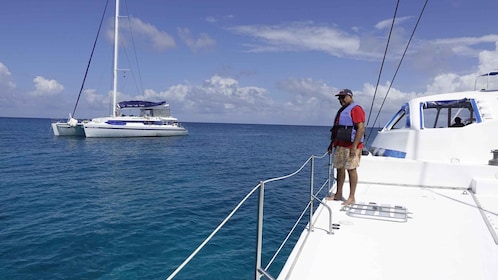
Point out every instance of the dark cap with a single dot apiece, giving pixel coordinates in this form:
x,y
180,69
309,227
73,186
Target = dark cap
x,y
345,92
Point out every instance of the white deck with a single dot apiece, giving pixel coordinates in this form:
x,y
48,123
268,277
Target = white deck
x,y
446,236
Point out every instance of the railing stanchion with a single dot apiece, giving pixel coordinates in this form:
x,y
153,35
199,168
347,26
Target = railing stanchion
x,y
329,191
311,192
259,242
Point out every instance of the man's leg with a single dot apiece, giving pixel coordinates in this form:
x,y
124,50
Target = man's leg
x,y
341,177
353,181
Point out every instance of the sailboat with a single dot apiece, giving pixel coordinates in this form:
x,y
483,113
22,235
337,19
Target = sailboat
x,y
154,118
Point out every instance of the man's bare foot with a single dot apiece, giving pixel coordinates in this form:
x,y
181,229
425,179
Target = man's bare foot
x,y
349,202
338,197
334,197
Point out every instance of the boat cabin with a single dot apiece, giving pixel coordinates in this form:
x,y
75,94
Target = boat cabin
x,y
457,127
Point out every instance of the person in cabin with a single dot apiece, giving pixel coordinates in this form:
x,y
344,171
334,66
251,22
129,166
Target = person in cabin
x,y
458,122
347,137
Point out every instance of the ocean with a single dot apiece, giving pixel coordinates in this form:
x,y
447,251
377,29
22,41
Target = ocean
x,y
136,208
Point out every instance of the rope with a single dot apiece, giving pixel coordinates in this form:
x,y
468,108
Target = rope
x,y
138,85
91,55
382,64
397,68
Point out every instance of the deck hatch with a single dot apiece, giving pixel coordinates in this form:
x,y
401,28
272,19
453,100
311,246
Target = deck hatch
x,y
372,210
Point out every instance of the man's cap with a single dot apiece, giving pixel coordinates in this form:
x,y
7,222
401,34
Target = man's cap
x,y
345,92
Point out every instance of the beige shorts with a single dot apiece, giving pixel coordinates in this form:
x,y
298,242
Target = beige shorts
x,y
342,159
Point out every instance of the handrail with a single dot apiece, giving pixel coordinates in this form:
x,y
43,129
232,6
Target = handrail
x,y
330,214
327,182
259,272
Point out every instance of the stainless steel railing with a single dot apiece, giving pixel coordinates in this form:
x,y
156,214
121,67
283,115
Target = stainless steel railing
x,y
259,271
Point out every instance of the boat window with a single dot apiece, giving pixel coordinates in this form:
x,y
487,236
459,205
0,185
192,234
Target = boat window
x,y
400,120
156,112
444,113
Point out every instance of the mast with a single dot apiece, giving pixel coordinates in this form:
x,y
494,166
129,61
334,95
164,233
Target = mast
x,y
115,72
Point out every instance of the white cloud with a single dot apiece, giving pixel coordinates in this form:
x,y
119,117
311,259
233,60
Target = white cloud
x,y
92,97
150,35
464,46
449,82
203,41
211,19
45,86
432,56
177,93
219,91
386,24
300,36
160,39
218,99
488,60
6,80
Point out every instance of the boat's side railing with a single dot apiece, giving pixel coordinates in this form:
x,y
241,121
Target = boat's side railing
x,y
328,182
259,271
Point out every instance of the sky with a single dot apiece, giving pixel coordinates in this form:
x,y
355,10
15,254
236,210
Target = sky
x,y
225,61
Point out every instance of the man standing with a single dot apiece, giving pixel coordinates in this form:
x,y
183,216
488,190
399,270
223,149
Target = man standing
x,y
347,139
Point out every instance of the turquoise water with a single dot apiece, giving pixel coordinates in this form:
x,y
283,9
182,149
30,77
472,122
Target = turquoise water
x,y
76,208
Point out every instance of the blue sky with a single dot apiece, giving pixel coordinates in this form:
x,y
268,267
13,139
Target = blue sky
x,y
271,62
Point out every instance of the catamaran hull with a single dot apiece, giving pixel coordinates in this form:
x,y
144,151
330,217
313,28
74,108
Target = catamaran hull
x,y
106,130
64,129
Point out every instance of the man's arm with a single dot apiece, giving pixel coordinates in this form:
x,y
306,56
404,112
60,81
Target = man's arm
x,y
360,130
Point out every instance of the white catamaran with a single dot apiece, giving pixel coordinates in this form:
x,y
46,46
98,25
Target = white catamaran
x,y
152,120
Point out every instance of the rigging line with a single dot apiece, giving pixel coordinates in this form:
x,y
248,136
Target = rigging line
x,y
91,55
382,64
141,89
401,60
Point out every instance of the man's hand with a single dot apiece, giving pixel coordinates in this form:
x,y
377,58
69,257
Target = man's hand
x,y
352,151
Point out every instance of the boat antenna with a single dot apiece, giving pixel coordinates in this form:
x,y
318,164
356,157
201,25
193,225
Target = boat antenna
x,y
397,68
91,55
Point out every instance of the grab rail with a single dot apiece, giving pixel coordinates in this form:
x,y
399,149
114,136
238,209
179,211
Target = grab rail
x,y
259,272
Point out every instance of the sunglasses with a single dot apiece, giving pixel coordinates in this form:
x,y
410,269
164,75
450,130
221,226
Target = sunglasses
x,y
341,97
